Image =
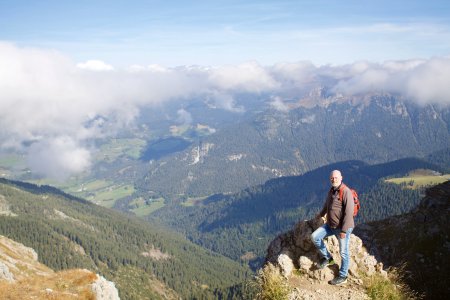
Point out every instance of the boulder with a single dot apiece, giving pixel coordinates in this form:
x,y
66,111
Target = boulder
x,y
104,289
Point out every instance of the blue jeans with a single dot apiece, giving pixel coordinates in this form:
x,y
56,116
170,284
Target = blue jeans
x,y
324,231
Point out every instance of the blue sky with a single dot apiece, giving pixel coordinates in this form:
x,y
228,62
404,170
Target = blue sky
x,y
215,33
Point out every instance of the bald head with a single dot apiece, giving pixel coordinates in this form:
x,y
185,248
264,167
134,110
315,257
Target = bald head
x,y
336,178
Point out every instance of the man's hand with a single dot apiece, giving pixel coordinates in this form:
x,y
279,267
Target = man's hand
x,y
342,235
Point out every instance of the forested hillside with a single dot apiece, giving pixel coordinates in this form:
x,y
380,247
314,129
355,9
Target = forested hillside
x,y
371,128
241,224
144,261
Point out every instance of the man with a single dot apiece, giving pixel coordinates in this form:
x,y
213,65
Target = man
x,y
339,214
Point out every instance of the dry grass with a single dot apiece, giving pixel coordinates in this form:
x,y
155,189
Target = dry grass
x,y
271,285
71,284
391,288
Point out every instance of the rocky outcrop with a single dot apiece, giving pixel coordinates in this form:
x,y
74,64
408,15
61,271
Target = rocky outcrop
x,y
417,242
5,207
22,276
294,251
15,258
104,289
5,274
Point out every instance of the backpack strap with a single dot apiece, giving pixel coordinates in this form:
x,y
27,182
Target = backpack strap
x,y
341,192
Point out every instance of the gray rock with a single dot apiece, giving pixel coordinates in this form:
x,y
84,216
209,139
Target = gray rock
x,y
104,289
5,274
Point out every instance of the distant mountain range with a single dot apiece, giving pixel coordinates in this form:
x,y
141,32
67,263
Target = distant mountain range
x,y
271,143
143,260
229,186
164,159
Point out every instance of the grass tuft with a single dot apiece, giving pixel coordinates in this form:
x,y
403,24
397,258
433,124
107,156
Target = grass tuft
x,y
392,288
271,285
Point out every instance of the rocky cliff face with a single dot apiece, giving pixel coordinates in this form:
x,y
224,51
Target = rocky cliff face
x,y
294,250
419,241
23,277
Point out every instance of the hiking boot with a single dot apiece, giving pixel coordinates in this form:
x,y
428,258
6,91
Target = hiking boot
x,y
338,280
325,262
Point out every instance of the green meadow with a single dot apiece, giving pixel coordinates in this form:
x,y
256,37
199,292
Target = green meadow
x,y
117,147
101,192
144,208
193,201
418,181
109,195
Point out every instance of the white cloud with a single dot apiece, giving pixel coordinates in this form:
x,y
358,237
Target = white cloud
x,y
50,101
247,77
45,95
278,104
152,68
423,81
297,73
95,65
157,68
225,101
184,117
430,82
370,80
58,157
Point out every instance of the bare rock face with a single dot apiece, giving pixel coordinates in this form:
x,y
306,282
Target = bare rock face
x,y
5,274
295,250
285,262
104,289
15,257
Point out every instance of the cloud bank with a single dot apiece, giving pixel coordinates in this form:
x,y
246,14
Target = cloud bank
x,y
51,107
278,104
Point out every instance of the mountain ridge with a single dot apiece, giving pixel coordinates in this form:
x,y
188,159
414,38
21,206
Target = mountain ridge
x,y
274,144
79,234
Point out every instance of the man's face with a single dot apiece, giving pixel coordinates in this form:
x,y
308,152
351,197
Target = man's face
x,y
336,178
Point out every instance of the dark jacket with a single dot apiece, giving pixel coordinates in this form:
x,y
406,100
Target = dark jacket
x,y
339,213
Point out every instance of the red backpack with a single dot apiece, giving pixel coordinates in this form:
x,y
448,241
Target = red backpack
x,y
355,198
